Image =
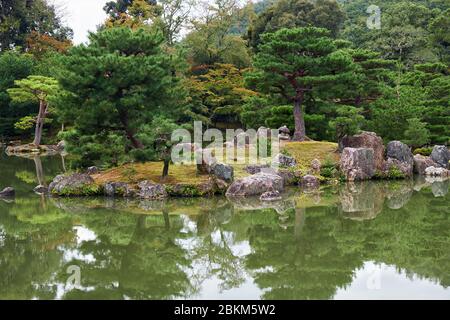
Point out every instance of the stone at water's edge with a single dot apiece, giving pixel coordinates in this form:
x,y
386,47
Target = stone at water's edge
x,y
358,164
40,189
77,184
271,196
366,140
310,181
255,185
437,172
399,155
120,189
421,163
441,155
151,191
7,192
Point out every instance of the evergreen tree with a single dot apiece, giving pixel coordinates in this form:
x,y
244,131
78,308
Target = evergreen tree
x,y
115,85
36,89
297,62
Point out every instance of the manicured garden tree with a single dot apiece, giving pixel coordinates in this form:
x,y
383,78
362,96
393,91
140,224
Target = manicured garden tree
x,y
157,137
295,62
115,85
36,89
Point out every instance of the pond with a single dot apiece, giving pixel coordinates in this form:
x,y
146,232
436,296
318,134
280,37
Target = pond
x,y
372,240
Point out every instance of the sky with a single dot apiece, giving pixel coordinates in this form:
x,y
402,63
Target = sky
x,y
82,16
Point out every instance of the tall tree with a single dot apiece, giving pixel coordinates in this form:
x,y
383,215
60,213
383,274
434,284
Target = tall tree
x,y
116,84
296,62
18,18
38,89
13,66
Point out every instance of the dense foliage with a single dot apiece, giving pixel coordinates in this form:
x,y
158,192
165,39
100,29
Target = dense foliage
x,y
314,66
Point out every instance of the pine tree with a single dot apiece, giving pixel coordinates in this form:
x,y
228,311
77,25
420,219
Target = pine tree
x,y
296,62
38,89
116,84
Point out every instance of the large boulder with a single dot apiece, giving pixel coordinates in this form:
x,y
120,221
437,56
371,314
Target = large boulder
x,y
77,184
40,189
223,172
7,192
441,155
366,140
400,151
405,168
255,185
151,191
358,163
421,163
281,160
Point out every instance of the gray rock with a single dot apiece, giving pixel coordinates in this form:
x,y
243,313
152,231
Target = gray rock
x,y
255,185
271,196
400,151
316,166
310,182
441,155
405,168
421,163
151,191
437,172
61,146
40,189
77,184
92,170
254,169
7,192
281,160
369,140
120,189
358,164
223,172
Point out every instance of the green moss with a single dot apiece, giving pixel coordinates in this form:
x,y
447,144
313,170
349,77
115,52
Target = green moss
x,y
86,190
423,151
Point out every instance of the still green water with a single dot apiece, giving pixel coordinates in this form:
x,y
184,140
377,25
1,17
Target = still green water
x,y
385,240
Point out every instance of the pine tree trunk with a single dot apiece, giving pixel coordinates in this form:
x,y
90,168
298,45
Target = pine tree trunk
x,y
166,168
129,132
39,123
300,130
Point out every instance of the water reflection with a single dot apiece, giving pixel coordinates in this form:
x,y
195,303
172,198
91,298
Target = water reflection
x,y
321,245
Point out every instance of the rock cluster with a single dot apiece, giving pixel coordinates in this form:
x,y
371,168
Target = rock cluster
x,y
77,184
